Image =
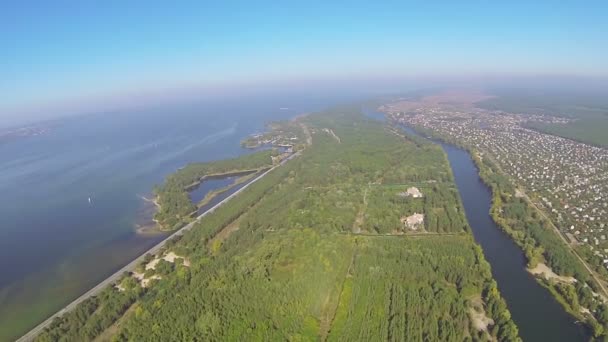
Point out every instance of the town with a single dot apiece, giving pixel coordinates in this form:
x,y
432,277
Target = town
x,y
568,180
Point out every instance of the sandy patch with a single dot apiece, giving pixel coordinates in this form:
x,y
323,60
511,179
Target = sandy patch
x,y
478,315
547,273
138,276
413,222
143,280
146,281
152,264
170,257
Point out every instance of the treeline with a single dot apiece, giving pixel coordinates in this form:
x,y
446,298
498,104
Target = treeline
x,y
175,206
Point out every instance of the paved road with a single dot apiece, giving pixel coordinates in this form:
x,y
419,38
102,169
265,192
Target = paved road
x,y
131,266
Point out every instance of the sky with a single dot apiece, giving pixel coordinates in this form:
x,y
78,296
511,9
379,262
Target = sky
x,y
57,54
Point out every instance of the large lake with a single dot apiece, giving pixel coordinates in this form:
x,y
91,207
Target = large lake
x,y
54,243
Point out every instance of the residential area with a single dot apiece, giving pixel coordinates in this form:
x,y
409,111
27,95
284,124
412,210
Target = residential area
x,y
567,179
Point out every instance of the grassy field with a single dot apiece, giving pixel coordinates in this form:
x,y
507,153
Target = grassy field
x,y
292,267
588,109
592,131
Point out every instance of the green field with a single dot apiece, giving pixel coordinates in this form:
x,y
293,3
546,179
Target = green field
x,y
592,131
588,109
317,252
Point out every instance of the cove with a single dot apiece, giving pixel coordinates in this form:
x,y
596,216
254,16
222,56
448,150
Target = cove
x,y
537,314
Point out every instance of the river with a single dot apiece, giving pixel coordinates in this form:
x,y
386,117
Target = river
x,y
537,314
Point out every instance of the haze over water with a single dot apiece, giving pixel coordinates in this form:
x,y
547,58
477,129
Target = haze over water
x,y
54,244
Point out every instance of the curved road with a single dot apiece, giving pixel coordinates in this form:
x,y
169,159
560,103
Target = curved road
x,y
131,266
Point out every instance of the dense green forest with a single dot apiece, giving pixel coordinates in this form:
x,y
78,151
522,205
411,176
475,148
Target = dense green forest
x,y
176,208
315,250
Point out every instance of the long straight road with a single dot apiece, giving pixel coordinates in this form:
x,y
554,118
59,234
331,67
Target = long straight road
x,y
131,266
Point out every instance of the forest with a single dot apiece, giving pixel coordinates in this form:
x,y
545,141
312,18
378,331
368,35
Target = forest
x,y
315,251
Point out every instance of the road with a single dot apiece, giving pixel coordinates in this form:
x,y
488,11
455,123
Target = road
x,y
131,266
557,231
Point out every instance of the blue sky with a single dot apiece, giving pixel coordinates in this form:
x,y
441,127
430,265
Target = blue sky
x,y
72,51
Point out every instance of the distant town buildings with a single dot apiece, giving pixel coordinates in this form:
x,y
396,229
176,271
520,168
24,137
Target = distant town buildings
x,y
568,179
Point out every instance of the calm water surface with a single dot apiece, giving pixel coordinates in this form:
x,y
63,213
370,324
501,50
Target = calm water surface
x,y
199,193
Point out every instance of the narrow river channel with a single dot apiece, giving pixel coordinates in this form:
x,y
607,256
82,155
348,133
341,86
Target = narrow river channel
x,y
537,314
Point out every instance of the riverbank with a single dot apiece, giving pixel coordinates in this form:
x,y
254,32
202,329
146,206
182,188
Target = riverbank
x,y
536,311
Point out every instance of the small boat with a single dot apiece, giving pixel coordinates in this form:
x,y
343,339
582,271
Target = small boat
x,y
89,200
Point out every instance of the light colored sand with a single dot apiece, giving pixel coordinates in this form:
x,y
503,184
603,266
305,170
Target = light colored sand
x,y
170,257
478,315
146,281
138,276
547,273
152,264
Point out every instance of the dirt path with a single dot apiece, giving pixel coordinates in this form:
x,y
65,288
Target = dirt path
x,y
225,233
306,133
333,134
329,315
109,333
361,214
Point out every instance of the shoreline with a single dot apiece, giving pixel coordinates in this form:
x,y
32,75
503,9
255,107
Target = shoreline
x,y
542,277
145,223
31,335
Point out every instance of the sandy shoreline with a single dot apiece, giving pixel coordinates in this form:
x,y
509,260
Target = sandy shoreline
x,y
546,272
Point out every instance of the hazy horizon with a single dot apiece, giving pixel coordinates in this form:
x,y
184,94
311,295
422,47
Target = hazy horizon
x,y
60,59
